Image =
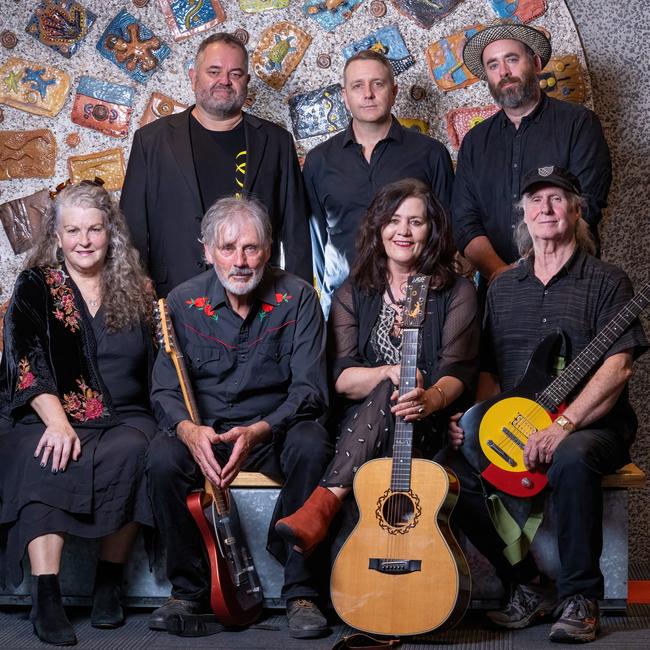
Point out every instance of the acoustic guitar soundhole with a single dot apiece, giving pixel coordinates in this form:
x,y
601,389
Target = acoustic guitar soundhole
x,y
398,512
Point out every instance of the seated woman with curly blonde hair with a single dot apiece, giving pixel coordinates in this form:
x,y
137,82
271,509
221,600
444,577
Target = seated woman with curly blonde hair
x,y
74,406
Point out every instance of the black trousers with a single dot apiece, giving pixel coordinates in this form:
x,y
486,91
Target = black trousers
x,y
300,458
579,463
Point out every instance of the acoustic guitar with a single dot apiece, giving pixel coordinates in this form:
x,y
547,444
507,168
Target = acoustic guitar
x,y
236,595
401,571
497,430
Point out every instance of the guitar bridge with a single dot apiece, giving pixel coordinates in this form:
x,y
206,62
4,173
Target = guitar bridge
x,y
492,445
397,567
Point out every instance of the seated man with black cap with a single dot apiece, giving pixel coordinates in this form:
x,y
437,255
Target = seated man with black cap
x,y
557,284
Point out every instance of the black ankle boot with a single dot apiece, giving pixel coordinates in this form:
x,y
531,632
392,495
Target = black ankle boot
x,y
107,606
51,625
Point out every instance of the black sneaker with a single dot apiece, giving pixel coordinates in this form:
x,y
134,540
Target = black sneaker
x,y
579,621
174,608
526,605
306,621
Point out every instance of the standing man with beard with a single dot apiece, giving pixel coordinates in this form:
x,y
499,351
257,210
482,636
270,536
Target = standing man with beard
x,y
530,130
181,164
254,339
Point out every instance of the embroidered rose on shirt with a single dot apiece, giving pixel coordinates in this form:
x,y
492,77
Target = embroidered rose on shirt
x,y
202,303
25,376
65,309
86,404
267,308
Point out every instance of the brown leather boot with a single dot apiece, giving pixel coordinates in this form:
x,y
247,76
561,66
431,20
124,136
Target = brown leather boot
x,y
308,526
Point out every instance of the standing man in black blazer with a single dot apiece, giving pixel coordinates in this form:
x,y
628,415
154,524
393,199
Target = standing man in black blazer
x,y
181,164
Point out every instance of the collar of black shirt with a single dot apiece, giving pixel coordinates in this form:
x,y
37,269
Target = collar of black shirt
x,y
535,115
265,290
573,266
396,132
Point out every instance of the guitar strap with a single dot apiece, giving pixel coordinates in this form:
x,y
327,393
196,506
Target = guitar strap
x,y
516,538
361,640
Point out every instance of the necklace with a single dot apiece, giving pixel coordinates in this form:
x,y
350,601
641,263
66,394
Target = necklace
x,y
93,303
391,297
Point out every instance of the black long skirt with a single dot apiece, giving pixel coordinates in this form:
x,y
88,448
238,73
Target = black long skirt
x,y
95,496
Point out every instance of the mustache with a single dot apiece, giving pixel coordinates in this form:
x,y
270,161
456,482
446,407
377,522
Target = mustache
x,y
508,80
239,271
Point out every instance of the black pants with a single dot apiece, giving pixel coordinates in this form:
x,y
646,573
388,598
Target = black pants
x,y
300,458
579,463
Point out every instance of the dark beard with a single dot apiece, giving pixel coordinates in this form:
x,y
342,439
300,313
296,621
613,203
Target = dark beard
x,y
524,92
221,109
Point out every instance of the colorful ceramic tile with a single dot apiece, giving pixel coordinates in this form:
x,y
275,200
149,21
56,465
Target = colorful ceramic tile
x,y
258,6
415,124
158,106
22,219
424,12
445,60
107,164
61,25
522,11
319,112
132,47
103,106
188,17
27,154
33,87
387,41
329,14
278,52
562,78
461,120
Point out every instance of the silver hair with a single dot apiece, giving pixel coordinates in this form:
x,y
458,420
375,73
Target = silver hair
x,y
229,210
584,238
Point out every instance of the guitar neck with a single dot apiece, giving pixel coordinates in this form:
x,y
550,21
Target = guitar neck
x,y
578,369
403,440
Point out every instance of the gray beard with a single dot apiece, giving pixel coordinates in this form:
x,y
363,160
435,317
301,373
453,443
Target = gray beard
x,y
527,91
237,288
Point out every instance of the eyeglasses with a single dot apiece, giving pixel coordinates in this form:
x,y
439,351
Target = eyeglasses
x,y
99,182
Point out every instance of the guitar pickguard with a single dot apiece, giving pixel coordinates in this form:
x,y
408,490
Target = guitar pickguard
x,y
398,512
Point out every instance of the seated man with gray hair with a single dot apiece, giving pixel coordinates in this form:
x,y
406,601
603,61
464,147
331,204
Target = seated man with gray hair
x,y
254,340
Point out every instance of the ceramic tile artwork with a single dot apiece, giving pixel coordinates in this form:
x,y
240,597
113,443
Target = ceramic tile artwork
x,y
319,112
33,87
22,219
132,46
280,49
61,25
461,120
424,12
107,165
259,6
562,78
445,60
329,14
158,106
522,11
387,41
27,154
421,126
188,17
103,106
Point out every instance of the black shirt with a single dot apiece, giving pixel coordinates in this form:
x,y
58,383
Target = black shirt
x,y
580,299
269,366
341,184
495,155
219,160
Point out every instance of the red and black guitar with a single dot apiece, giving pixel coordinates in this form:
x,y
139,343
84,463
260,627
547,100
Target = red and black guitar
x,y
236,596
496,430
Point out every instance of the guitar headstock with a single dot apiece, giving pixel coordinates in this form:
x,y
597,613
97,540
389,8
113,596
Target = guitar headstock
x,y
164,328
416,298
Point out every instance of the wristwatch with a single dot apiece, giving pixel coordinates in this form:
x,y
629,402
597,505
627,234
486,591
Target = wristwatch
x,y
565,423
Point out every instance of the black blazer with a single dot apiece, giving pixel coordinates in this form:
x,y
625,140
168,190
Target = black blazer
x,y
162,202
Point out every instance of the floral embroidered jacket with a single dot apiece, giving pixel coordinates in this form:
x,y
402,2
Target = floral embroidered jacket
x,y
50,348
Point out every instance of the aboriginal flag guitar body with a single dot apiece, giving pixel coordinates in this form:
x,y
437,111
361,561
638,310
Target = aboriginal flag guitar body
x,y
401,572
496,430
236,596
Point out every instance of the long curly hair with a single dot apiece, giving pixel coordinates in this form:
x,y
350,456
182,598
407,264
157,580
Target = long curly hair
x,y
370,270
126,291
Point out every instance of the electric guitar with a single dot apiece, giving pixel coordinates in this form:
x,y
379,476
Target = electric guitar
x,y
236,596
401,572
497,430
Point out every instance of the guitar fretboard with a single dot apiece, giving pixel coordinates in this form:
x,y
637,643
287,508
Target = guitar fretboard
x,y
403,441
578,369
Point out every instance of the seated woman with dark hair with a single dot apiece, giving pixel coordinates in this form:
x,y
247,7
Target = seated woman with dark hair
x,y
404,232
74,405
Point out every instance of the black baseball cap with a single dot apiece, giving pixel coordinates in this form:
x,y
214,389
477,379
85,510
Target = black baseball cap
x,y
551,175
